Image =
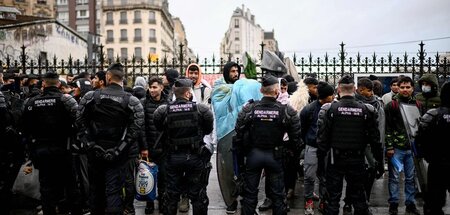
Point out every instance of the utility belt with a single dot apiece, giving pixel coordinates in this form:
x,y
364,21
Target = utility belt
x,y
190,144
349,153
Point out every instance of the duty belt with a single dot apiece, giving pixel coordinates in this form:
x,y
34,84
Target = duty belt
x,y
349,153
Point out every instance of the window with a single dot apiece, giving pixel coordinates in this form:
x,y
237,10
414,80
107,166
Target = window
x,y
152,35
151,17
236,35
236,23
83,14
82,1
237,49
83,28
138,53
123,17
110,53
109,18
137,16
63,16
109,36
42,1
110,3
61,2
152,50
43,56
137,35
124,53
123,2
123,35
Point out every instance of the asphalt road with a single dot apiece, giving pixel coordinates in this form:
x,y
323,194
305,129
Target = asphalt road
x,y
378,201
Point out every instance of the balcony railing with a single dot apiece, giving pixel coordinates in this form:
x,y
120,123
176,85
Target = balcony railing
x,y
139,20
123,39
152,39
137,39
123,21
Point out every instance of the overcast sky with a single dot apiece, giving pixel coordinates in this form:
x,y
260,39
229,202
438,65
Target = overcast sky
x,y
319,26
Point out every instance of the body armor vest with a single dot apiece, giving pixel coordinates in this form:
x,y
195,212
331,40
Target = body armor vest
x,y
348,121
183,126
109,118
267,127
51,120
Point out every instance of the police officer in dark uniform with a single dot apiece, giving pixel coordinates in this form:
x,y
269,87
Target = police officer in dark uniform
x,y
185,124
260,128
109,120
345,127
433,146
48,121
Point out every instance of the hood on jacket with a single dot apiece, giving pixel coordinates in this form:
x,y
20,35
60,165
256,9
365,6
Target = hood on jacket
x,y
140,82
200,76
226,71
430,78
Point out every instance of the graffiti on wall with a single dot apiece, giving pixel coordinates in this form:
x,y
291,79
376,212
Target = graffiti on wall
x,y
6,49
67,34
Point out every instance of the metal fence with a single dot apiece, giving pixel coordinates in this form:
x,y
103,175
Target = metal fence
x,y
328,68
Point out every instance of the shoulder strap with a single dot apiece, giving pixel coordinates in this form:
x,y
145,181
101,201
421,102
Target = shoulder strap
x,y
202,91
126,100
394,104
97,97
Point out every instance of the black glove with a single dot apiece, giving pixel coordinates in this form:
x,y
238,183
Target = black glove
x,y
205,154
379,170
110,154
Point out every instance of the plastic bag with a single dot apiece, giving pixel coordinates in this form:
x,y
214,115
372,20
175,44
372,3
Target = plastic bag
x,y
27,184
146,180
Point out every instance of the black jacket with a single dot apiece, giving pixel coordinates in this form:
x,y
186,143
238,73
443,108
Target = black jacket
x,y
87,113
151,134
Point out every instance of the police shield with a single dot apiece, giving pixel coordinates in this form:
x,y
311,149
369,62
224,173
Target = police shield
x,y
410,115
225,171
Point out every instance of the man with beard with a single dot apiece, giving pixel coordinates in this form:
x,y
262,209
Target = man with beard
x,y
149,147
99,80
231,72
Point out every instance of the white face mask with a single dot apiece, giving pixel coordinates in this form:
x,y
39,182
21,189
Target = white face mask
x,y
426,89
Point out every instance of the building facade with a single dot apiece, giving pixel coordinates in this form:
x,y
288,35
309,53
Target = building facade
x,y
180,38
40,8
243,35
270,43
43,38
80,15
140,28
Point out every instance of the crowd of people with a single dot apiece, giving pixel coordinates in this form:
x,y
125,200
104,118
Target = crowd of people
x,y
87,133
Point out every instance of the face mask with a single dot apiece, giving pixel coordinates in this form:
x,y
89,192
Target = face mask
x,y
426,89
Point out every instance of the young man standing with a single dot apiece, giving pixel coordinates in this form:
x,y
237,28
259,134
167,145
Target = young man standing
x,y
398,148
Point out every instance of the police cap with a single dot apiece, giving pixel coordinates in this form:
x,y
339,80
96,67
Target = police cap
x,y
183,82
269,80
51,75
346,79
